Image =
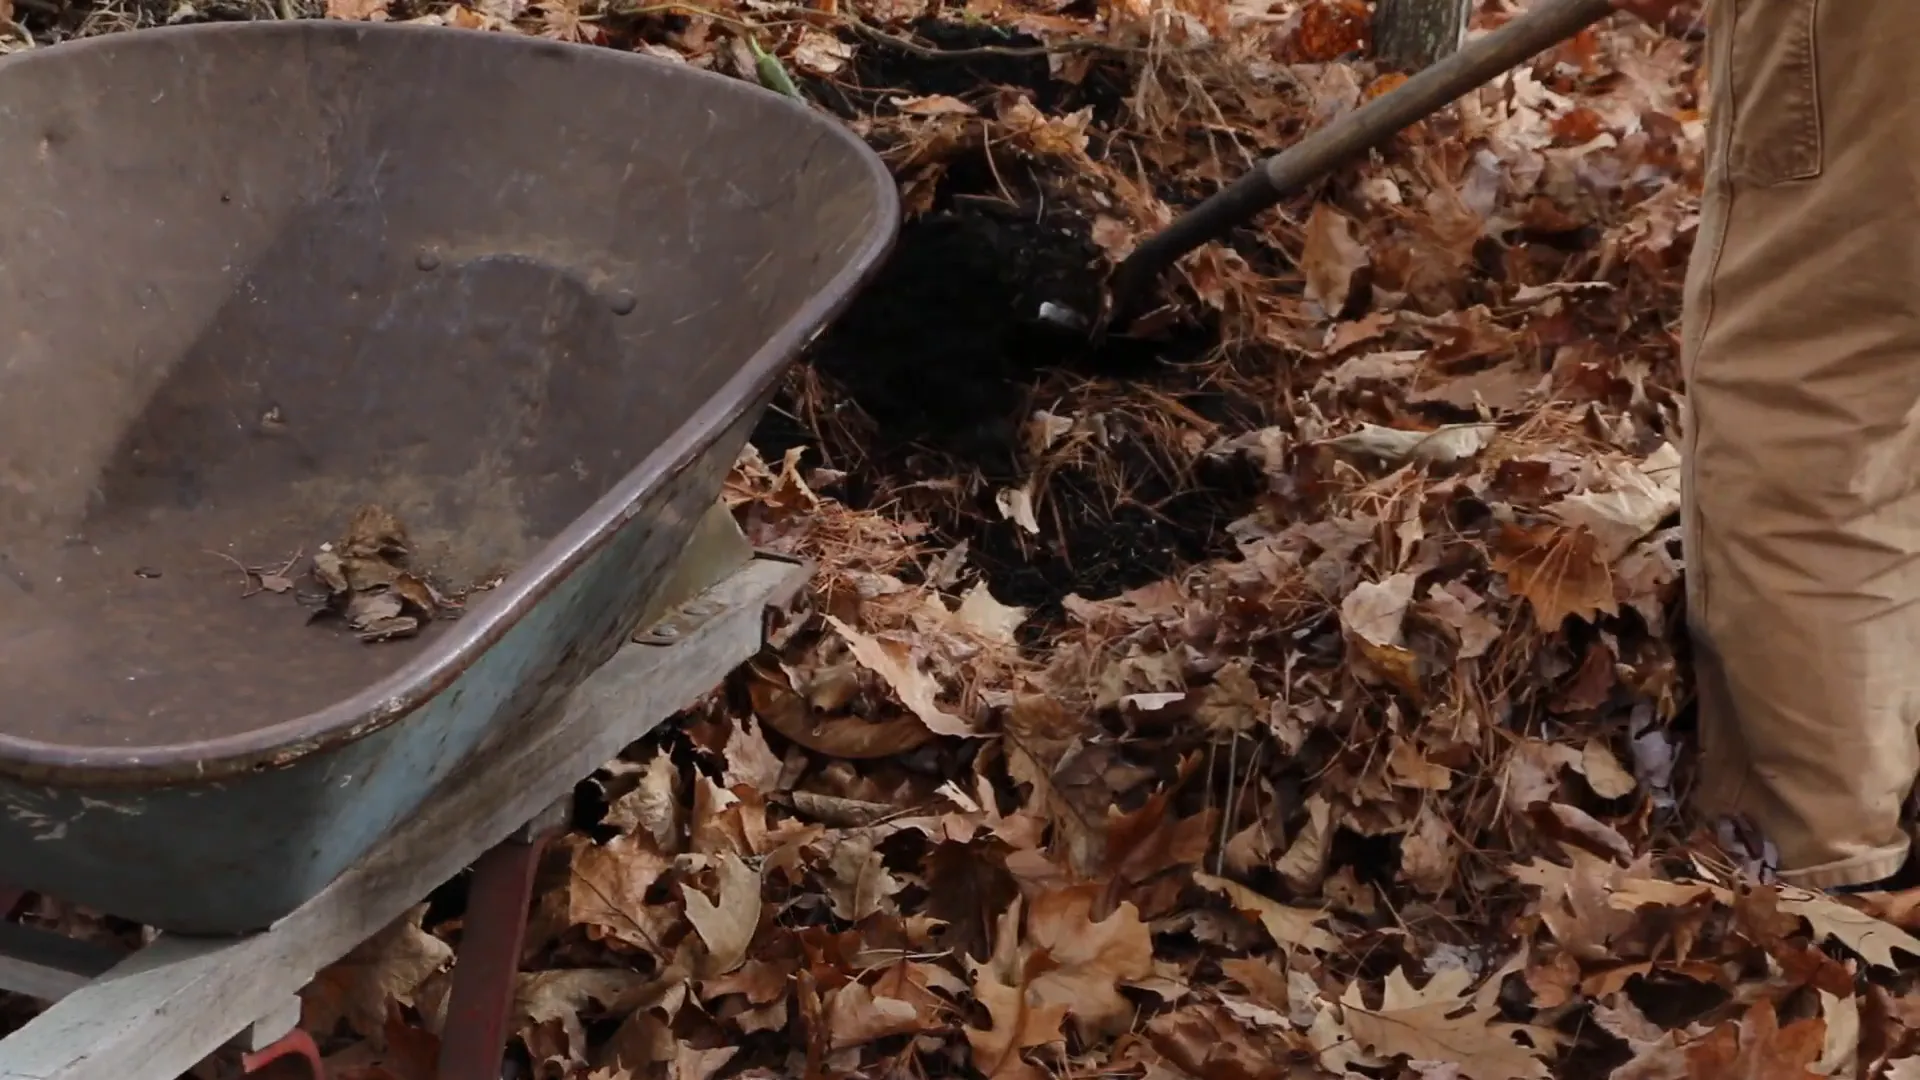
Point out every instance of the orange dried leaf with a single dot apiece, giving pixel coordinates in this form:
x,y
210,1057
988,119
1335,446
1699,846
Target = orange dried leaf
x,y
1330,29
1757,1047
1558,570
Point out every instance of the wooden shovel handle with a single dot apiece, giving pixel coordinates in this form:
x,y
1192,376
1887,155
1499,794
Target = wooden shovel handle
x,y
1548,23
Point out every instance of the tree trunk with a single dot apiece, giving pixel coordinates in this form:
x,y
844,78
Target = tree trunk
x,y
1411,34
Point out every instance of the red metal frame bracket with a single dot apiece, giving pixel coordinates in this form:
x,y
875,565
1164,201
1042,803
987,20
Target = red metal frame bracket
x,y
294,1044
473,1040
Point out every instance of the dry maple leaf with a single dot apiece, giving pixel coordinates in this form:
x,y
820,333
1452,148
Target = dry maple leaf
x,y
1428,855
1437,1023
1603,771
607,892
1577,903
1019,1023
389,966
1087,960
1304,864
1840,1050
820,53
1208,1041
1558,570
838,735
934,105
556,998
645,1038
1658,1053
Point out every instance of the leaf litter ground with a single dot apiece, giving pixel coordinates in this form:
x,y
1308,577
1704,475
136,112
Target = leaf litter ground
x,y
1300,692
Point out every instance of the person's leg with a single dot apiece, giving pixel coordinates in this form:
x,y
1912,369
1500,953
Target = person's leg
x,y
1802,349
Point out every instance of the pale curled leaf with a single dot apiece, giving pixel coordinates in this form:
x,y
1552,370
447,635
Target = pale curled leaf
x,y
1441,446
1016,505
820,53
1840,1054
691,1064
934,105
893,662
980,614
1603,771
1637,497
1374,610
1290,927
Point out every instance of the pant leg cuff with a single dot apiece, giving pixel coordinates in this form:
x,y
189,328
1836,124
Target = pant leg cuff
x,y
1857,870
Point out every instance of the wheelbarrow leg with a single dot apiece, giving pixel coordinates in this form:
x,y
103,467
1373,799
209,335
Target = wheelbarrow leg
x,y
294,1044
473,1040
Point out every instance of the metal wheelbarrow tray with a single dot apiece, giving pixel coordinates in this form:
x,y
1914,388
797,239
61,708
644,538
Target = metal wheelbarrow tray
x,y
530,297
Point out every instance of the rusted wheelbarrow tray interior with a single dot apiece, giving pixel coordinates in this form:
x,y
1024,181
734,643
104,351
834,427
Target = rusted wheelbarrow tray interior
x,y
529,298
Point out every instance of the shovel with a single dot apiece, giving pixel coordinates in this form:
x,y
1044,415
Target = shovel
x,y
1546,24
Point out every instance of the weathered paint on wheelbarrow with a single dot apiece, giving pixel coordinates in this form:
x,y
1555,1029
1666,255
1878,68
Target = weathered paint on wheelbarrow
x,y
531,297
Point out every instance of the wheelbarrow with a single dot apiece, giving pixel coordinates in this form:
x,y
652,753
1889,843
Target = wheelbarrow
x,y
529,299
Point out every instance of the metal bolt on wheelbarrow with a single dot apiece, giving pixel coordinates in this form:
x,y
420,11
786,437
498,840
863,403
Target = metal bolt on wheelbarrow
x,y
400,266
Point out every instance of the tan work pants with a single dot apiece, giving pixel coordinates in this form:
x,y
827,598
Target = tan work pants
x,y
1802,355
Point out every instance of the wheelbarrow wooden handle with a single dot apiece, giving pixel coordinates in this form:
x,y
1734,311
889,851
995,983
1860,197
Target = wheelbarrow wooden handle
x,y
1548,23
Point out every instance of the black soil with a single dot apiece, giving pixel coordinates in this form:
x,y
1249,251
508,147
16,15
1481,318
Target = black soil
x,y
940,361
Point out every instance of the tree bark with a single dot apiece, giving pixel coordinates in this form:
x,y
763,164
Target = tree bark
x,y
1412,34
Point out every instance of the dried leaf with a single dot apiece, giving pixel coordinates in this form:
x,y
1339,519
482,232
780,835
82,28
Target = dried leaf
x,y
1330,259
1757,1046
1091,958
727,922
1873,939
1018,1024
1558,570
387,967
893,661
1290,927
1603,771
1441,446
1439,1023
982,615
